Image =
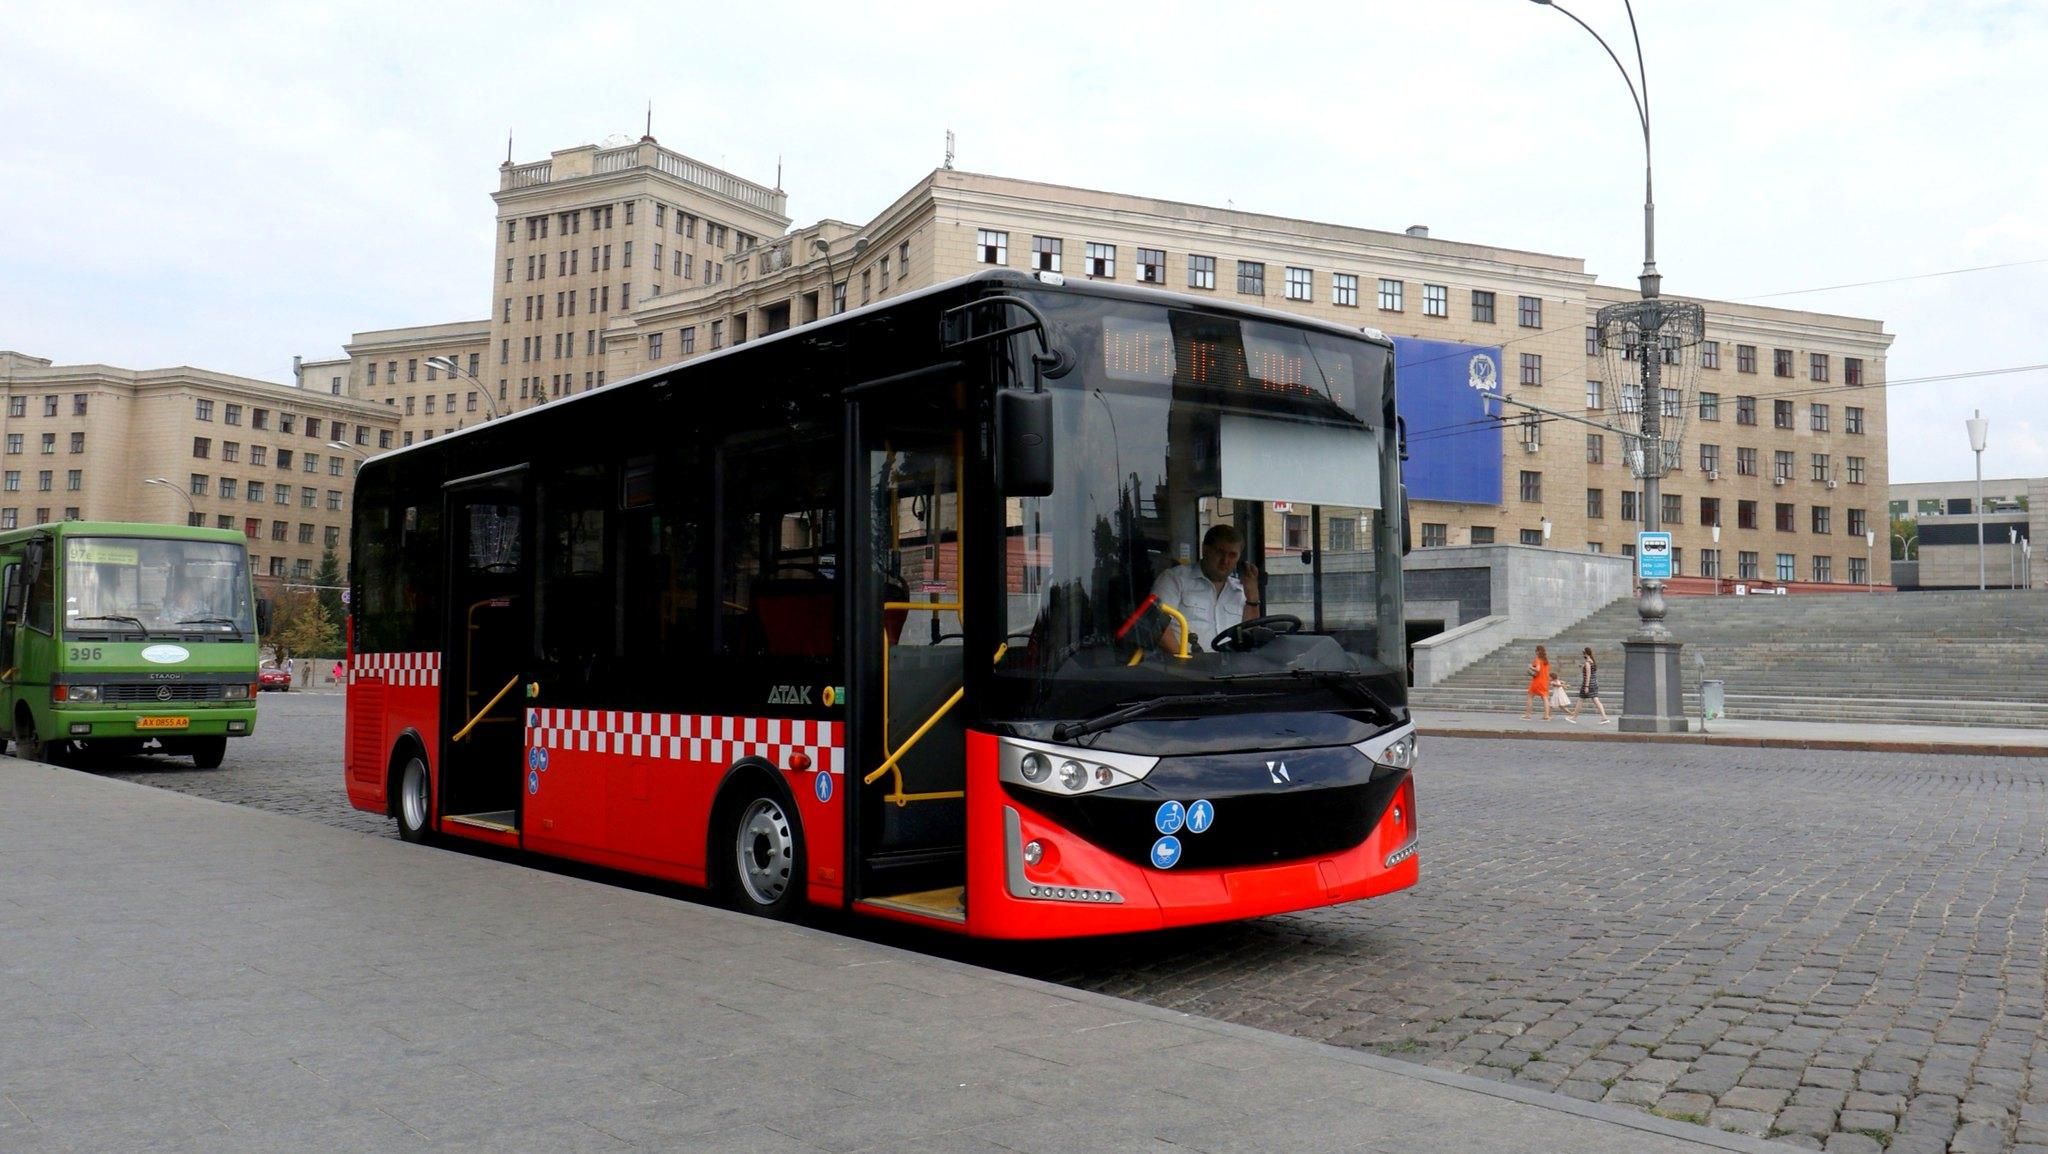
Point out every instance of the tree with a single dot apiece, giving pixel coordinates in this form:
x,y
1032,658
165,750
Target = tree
x,y
329,581
1904,532
299,627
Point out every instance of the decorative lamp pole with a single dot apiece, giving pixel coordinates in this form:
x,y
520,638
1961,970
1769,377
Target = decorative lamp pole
x,y
1637,337
448,365
1979,433
1870,560
191,510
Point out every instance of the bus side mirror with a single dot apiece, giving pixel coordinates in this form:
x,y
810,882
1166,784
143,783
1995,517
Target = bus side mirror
x,y
263,615
1407,526
1024,443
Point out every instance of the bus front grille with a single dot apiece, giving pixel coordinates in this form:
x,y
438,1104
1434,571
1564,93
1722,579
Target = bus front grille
x,y
145,693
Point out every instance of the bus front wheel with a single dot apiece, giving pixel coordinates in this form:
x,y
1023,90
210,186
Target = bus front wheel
x,y
415,799
760,847
30,747
208,752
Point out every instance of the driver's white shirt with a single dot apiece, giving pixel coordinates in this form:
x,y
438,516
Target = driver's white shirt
x,y
1208,610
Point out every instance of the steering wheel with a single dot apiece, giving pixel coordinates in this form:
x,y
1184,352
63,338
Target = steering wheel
x,y
1229,639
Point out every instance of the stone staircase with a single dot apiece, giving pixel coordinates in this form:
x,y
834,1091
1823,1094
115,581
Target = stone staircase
x,y
1950,658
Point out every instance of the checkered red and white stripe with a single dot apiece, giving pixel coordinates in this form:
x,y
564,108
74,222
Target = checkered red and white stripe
x,y
689,737
415,669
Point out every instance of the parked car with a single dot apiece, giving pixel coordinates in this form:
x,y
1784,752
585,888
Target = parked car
x,y
273,678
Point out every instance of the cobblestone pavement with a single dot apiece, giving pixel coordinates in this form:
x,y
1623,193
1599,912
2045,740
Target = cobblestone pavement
x,y
1839,950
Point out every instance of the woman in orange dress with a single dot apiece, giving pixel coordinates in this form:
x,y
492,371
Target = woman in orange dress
x,y
1539,685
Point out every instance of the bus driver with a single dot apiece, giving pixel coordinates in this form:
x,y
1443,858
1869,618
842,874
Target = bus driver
x,y
1212,593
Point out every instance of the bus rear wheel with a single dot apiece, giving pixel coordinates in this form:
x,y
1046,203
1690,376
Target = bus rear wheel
x,y
415,799
762,848
209,752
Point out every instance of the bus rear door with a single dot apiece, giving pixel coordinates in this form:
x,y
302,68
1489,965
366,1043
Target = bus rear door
x,y
487,651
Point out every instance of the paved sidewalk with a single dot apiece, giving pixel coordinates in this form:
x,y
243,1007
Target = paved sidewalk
x,y
181,974
1755,734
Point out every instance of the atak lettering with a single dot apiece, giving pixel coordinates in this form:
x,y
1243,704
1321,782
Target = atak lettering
x,y
789,695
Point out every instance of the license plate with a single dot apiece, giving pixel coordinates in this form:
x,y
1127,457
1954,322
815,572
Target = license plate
x,y
162,722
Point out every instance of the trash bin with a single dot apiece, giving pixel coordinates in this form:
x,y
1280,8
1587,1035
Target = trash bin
x,y
1713,698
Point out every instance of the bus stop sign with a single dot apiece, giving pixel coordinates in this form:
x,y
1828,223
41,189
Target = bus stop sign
x,y
1653,556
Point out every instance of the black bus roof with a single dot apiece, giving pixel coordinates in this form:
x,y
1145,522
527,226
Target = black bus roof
x,y
1040,282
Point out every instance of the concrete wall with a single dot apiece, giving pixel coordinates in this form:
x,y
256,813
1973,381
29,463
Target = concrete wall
x,y
1528,592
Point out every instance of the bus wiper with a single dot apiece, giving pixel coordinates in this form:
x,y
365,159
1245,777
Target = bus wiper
x,y
1351,679
228,621
1071,729
110,617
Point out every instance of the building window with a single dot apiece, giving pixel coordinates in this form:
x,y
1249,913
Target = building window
x,y
1592,341
203,410
1482,534
1532,368
1745,514
1817,416
1532,537
1710,511
1596,501
866,294
1529,312
1532,485
1390,295
1858,523
1852,371
17,406
1855,470
1201,272
1859,570
1817,368
1532,432
1631,397
1745,358
1631,505
1482,306
1294,531
1852,419
43,480
1672,509
1781,414
654,346
1787,517
1781,362
14,444
1434,535
1251,278
1344,289
1101,260
1745,410
1152,266
1820,467
1710,563
1710,355
1436,300
1710,460
1300,284
78,442
718,334
202,447
1788,567
1746,565
991,247
1343,534
1593,398
198,484
838,300
1710,406
1596,448
1781,465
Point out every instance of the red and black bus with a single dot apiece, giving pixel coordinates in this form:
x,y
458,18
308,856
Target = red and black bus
x,y
860,615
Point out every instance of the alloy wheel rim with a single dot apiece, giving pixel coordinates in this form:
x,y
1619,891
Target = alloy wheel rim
x,y
413,795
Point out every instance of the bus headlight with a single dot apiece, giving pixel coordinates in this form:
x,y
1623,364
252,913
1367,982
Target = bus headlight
x,y
1064,770
1035,767
86,693
1396,750
1073,776
237,693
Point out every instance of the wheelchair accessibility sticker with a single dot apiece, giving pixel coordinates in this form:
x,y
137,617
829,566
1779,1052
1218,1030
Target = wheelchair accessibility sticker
x,y
1169,817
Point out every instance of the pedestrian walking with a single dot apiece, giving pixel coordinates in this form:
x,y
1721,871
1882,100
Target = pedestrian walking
x,y
1589,685
1539,684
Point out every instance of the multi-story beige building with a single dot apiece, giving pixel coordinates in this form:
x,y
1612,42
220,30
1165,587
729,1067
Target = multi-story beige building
x,y
93,442
1783,449
429,377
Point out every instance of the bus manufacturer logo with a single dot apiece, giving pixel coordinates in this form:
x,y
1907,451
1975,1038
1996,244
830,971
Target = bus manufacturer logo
x,y
163,693
789,695
165,654
1277,770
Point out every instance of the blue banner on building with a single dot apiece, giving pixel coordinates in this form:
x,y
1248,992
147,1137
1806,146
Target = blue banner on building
x,y
1454,447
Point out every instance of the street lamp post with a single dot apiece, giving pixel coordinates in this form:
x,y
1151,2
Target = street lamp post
x,y
448,365
1717,555
191,510
1870,560
1652,694
1979,428
2012,557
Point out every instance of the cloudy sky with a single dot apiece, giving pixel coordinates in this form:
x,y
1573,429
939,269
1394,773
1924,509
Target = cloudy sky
x,y
226,186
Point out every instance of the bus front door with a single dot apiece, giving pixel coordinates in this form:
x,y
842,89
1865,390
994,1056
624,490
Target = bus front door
x,y
909,773
488,651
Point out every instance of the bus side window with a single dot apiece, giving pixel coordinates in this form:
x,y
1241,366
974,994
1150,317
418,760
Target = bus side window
x,y
40,611
10,610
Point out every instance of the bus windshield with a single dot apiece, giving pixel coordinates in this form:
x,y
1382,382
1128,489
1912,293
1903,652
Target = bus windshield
x,y
1176,428
116,584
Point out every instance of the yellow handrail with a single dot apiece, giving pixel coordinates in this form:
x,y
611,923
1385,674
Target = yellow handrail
x,y
464,732
1177,615
911,741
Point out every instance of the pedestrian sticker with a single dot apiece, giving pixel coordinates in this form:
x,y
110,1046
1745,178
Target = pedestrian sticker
x,y
1201,815
824,786
537,758
1166,852
1169,817
533,719
533,781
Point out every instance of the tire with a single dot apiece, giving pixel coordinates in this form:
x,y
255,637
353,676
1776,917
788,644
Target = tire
x,y
208,752
759,850
29,747
415,800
